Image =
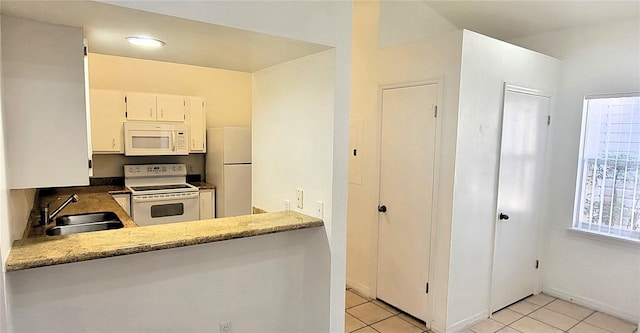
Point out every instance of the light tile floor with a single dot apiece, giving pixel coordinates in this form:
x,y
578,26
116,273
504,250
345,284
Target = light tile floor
x,y
366,315
542,313
535,314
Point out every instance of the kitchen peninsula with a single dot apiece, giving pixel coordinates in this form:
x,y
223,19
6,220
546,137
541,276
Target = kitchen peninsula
x,y
36,250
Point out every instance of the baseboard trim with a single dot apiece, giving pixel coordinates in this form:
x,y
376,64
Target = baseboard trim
x,y
464,323
359,287
437,327
592,304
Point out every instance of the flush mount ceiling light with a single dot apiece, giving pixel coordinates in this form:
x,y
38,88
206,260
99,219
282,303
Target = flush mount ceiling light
x,y
145,41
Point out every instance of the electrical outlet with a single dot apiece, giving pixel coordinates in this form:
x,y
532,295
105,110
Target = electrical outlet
x,y
299,198
320,209
287,205
225,327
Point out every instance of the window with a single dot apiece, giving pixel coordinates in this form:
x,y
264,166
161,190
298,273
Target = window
x,y
608,194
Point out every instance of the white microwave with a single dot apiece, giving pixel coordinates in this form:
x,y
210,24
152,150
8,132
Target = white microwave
x,y
154,138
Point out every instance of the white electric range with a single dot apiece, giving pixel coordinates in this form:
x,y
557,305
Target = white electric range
x,y
160,194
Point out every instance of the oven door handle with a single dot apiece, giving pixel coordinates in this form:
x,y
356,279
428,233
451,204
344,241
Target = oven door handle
x,y
151,198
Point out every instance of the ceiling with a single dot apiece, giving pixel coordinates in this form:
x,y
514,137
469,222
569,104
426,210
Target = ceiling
x,y
187,42
203,44
512,19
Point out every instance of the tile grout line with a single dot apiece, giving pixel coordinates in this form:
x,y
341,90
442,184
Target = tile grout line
x,y
540,321
544,306
392,315
569,329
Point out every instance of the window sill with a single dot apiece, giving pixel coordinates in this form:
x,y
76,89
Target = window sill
x,y
606,237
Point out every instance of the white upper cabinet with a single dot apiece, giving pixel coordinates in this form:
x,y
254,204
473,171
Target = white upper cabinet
x,y
141,106
197,124
170,108
155,107
107,116
44,104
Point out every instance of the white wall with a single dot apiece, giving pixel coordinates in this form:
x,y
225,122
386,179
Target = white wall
x,y
292,115
431,58
409,21
487,64
4,216
19,204
363,194
596,272
321,22
461,279
271,283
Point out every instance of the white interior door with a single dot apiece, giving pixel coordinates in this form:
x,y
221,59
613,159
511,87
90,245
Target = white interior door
x,y
524,135
406,186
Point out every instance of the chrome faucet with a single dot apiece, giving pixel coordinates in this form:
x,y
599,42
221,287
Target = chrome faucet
x,y
45,217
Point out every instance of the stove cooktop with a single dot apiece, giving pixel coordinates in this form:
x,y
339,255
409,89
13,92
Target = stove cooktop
x,y
161,187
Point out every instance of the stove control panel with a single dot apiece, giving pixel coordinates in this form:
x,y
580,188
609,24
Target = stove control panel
x,y
155,170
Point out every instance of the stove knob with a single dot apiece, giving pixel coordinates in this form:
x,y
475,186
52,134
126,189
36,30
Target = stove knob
x,y
180,168
137,169
130,169
173,168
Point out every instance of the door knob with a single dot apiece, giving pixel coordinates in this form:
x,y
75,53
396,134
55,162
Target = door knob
x,y
503,216
382,208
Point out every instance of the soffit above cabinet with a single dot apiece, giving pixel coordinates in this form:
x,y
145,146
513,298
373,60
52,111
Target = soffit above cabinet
x,y
187,42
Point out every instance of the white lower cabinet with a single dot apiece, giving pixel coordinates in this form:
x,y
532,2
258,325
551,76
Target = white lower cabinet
x,y
124,200
207,203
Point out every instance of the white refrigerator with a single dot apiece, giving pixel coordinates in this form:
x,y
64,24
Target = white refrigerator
x,y
228,168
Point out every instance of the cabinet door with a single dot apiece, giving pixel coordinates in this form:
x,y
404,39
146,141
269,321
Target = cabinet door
x,y
141,106
207,205
170,108
107,116
124,200
44,106
197,124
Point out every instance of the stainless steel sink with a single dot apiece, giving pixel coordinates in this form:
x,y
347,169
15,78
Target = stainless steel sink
x,y
87,218
73,224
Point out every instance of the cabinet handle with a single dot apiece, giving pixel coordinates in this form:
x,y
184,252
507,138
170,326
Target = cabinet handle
x,y
150,112
113,143
193,143
162,113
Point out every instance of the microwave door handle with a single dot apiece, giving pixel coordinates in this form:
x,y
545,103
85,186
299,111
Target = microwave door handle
x,y
173,140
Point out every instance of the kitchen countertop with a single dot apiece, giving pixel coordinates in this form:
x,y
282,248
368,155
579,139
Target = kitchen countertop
x,y
38,251
202,185
92,199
